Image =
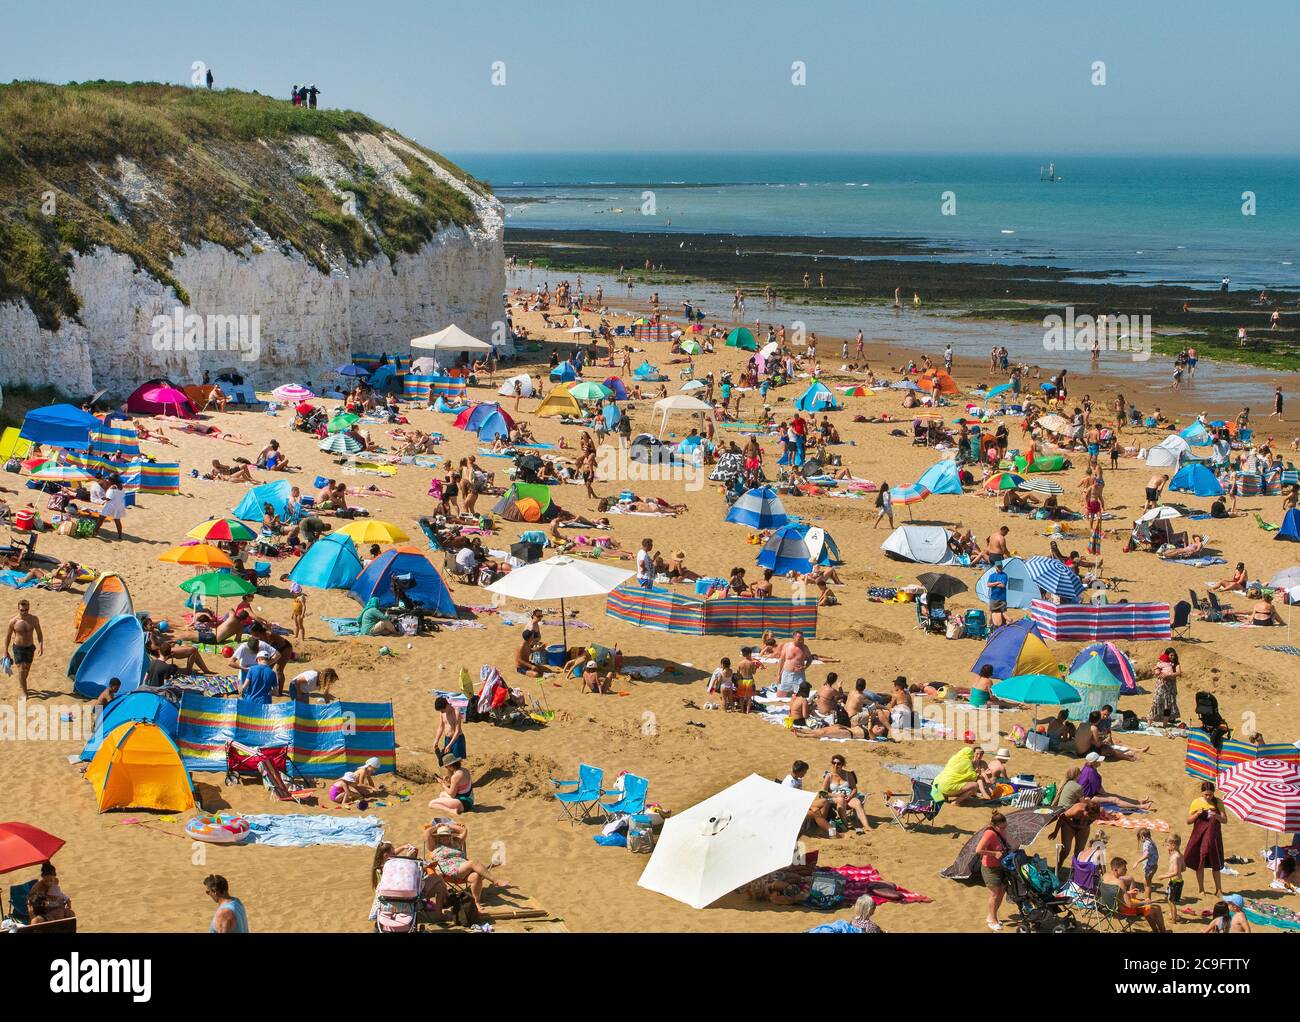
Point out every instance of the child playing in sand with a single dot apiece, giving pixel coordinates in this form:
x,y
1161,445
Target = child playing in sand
x,y
745,671
723,681
299,611
1149,856
1174,875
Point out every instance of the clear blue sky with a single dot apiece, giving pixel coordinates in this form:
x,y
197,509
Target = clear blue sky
x,y
893,75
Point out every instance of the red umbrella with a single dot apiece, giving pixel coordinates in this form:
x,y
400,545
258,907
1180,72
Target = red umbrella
x,y
1264,792
21,845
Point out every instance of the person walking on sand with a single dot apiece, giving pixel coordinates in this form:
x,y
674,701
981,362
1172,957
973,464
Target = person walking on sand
x,y
885,505
230,916
24,641
1154,485
1276,413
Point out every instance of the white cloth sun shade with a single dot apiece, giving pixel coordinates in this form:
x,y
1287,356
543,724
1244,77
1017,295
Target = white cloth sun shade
x,y
452,338
560,578
681,403
1160,513
726,841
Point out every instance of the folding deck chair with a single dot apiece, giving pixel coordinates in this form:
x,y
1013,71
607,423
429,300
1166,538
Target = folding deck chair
x,y
632,801
1109,912
585,797
1180,624
273,765
920,808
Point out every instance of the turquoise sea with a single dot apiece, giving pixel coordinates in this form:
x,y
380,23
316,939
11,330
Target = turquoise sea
x,y
1175,219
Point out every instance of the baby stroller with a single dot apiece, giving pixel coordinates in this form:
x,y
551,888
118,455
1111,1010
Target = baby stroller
x,y
397,895
272,764
1036,892
1207,709
313,422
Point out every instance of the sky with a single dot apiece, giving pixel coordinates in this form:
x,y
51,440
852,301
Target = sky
x,y
717,75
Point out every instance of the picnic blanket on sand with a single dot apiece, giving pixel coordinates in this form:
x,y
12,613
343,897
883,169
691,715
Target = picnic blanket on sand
x,y
299,830
866,879
1196,562
1130,822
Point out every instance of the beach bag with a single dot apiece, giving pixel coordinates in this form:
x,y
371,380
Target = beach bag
x,y
399,879
955,628
827,890
1037,742
1017,735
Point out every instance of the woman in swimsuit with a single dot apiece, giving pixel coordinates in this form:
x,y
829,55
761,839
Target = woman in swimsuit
x,y
445,846
1264,614
458,788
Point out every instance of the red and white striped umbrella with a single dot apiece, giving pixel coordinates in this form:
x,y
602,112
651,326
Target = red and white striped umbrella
x,y
1259,771
1265,793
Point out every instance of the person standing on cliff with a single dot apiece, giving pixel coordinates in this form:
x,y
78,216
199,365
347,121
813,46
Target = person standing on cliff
x,y
312,93
208,78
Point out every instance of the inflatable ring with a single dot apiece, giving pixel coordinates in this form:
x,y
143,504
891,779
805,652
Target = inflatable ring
x,y
218,829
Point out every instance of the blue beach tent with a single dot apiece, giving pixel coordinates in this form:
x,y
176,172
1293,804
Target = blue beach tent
x,y
941,477
115,650
1290,527
329,563
142,704
1196,478
427,587
250,509
817,398
797,547
61,425
759,508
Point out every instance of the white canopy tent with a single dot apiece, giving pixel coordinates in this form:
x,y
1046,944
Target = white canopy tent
x,y
451,338
726,841
681,403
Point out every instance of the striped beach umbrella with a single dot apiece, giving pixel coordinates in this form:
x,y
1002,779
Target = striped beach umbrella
x,y
292,393
222,530
202,555
856,390
913,494
1054,577
1259,771
759,508
1041,486
51,472
1273,804
341,443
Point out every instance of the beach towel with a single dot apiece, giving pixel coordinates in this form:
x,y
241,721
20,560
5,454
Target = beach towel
x,y
1271,913
1288,650
343,625
10,578
1196,562
1129,822
866,879
299,830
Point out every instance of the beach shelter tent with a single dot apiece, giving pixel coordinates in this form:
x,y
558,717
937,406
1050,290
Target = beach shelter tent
x,y
559,402
276,493
921,544
1055,578
564,373
1197,435
1168,453
938,381
524,502
105,598
617,388
60,425
941,477
1196,478
759,508
646,373
1115,659
138,766
1017,649
681,403
1021,589
451,338
496,424
525,386
727,841
140,705
1042,463
115,650
817,398
427,587
158,397
1289,530
742,338
473,417
797,547
1096,685
329,563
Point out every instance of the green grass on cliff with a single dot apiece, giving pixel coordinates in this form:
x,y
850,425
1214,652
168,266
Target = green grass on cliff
x,y
219,169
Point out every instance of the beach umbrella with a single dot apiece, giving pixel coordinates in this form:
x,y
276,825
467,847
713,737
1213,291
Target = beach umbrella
x,y
1001,388
857,390
1054,424
201,555
692,347
578,330
560,578
908,495
51,472
1042,486
589,390
1287,578
1259,771
292,393
165,396
904,385
1036,690
218,584
730,839
1160,513
1263,792
691,386
939,584
372,530
22,845
1003,481
222,530
352,369
1054,577
341,443
342,422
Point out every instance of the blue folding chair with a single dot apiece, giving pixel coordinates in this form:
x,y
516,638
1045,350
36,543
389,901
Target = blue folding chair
x,y
579,804
18,895
632,801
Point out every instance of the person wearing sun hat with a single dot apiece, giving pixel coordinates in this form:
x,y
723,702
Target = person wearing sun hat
x,y
458,787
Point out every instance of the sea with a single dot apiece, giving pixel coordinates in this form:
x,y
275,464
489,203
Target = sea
x,y
1183,220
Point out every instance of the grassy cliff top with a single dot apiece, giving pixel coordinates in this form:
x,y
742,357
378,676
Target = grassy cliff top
x,y
147,169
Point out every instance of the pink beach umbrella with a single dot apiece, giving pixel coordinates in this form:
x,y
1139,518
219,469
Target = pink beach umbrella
x,y
172,401
1264,792
292,393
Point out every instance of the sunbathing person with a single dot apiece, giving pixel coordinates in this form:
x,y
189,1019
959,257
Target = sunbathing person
x,y
208,630
1264,614
446,849
1088,738
160,644
231,473
1236,583
1193,549
157,435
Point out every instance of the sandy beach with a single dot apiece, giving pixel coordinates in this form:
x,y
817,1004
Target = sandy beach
x,y
656,728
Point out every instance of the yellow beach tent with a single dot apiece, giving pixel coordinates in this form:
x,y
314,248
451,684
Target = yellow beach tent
x,y
559,402
138,766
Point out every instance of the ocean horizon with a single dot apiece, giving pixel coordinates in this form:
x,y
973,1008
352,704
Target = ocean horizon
x,y
1187,220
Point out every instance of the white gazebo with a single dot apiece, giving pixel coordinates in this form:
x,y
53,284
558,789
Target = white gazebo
x,y
681,403
452,338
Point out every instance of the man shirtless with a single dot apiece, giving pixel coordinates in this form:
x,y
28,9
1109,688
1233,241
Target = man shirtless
x,y
995,548
794,658
1088,738
24,641
829,697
